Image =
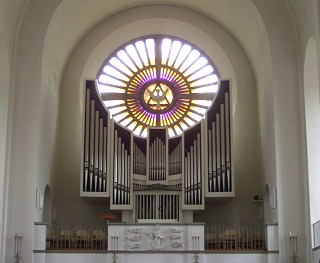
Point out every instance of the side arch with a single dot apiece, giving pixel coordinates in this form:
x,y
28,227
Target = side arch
x,y
47,206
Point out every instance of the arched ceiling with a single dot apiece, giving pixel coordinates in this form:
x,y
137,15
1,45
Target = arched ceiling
x,y
72,21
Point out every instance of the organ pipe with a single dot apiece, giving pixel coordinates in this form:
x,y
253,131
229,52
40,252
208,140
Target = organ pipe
x,y
157,206
157,159
175,160
95,147
121,171
193,173
219,146
139,160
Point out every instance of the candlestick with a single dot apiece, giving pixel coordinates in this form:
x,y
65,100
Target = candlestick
x,y
17,248
293,247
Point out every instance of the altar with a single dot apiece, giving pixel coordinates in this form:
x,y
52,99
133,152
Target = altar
x,y
156,237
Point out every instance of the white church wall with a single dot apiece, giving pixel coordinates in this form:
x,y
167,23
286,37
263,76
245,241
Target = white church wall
x,y
81,257
287,123
4,109
27,172
9,16
312,117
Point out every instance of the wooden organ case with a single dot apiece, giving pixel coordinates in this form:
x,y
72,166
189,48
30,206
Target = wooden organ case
x,y
157,178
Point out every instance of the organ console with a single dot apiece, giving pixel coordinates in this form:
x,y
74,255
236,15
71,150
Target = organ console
x,y
157,177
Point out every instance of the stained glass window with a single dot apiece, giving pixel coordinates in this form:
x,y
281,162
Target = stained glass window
x,y
158,81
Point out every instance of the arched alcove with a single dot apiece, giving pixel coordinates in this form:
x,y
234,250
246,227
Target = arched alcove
x,y
47,206
266,204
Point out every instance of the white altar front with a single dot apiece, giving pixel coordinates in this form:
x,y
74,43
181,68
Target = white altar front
x,y
156,237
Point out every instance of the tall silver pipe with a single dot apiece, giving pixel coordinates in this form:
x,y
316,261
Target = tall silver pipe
x,y
223,147
228,157
115,167
210,170
91,165
87,140
218,151
195,171
104,169
214,157
199,173
100,173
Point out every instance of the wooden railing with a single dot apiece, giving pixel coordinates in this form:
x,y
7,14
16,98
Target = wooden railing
x,y
235,238
76,238
216,238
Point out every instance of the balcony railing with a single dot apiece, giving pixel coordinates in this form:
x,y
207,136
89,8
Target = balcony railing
x,y
76,238
234,238
95,238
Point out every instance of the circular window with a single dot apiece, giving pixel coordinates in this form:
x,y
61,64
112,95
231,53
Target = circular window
x,y
157,81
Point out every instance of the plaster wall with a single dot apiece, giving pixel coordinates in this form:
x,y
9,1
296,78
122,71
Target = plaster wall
x,y
311,91
10,13
27,172
157,258
287,123
4,107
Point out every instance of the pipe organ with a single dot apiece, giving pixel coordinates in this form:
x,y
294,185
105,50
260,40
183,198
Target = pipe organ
x,y
157,177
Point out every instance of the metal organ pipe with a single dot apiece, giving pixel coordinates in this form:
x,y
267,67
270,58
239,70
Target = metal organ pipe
x,y
121,172
218,152
199,173
115,169
87,142
219,149
95,148
91,169
175,160
157,166
228,144
193,173
214,158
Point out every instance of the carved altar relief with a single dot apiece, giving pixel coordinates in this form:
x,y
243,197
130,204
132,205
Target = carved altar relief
x,y
157,237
